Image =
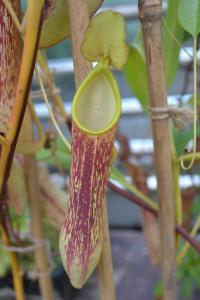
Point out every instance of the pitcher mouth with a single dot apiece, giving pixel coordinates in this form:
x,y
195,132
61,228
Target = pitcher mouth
x,y
96,106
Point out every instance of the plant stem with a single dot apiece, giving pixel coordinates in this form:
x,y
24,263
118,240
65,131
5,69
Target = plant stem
x,y
133,189
187,244
188,157
176,173
150,15
133,198
178,198
183,232
17,273
180,230
41,253
149,222
79,19
195,111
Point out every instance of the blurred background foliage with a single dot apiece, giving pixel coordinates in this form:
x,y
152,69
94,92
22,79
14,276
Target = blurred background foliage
x,y
63,50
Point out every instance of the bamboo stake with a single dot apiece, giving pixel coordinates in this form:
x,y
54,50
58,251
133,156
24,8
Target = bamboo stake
x,y
41,253
79,19
150,16
17,272
105,268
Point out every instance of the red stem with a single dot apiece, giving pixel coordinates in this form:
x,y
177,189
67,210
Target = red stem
x,y
132,198
180,230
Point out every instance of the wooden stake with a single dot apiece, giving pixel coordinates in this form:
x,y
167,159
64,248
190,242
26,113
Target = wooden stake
x,y
17,272
105,268
150,15
41,253
79,19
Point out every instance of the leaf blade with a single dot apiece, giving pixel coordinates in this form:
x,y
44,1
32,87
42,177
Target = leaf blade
x,y
137,80
189,16
110,44
171,49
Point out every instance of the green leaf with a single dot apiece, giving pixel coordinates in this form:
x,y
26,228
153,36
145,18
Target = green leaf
x,y
55,27
181,138
61,146
191,100
5,264
196,207
63,158
186,289
171,49
43,154
104,39
189,16
158,289
136,75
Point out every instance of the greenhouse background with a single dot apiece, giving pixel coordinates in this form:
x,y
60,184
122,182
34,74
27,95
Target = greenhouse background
x,y
135,277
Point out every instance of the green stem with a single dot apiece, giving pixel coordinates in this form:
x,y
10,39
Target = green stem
x,y
176,173
195,111
187,245
133,189
188,157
